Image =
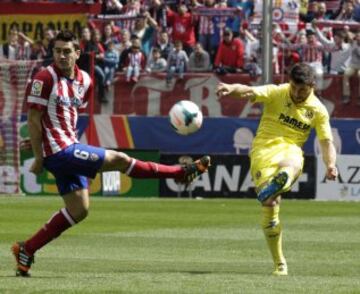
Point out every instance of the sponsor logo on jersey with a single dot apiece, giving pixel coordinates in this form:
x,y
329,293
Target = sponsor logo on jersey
x,y
293,122
36,87
67,101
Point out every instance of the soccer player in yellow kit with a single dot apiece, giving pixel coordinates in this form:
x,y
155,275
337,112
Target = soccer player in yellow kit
x,y
291,110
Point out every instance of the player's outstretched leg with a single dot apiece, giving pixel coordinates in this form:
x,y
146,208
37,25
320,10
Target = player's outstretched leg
x,y
146,169
273,234
23,259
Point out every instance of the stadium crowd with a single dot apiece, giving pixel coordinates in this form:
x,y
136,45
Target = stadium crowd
x,y
141,37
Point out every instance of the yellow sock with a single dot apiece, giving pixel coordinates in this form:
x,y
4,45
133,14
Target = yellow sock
x,y
291,177
273,232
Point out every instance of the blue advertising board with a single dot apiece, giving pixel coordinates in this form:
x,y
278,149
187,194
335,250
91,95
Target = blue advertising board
x,y
228,135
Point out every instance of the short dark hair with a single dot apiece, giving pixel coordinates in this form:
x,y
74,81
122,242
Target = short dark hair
x,y
302,73
68,36
310,32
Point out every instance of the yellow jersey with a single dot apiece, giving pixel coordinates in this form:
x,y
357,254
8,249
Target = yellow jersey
x,y
291,122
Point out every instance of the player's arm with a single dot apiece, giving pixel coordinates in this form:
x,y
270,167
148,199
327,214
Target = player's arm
x,y
35,130
329,157
235,90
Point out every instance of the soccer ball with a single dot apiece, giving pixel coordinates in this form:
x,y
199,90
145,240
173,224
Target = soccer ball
x,y
185,117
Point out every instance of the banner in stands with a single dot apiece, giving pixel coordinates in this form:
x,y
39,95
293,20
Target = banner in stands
x,y
346,187
33,19
229,177
151,96
286,11
217,135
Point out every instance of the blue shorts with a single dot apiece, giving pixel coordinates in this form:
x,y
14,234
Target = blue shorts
x,y
73,165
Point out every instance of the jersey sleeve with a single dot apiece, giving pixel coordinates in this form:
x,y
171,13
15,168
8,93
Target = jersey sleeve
x,y
322,125
38,90
264,94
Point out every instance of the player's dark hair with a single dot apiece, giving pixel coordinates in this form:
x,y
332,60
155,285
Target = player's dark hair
x,y
68,36
302,73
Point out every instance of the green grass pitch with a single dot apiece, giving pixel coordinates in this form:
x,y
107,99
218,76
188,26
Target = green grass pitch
x,y
183,246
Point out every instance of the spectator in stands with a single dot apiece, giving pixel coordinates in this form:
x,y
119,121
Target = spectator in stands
x,y
252,50
164,44
111,61
247,7
17,47
286,59
339,51
199,59
38,51
157,11
92,44
156,63
125,43
312,54
131,10
177,62
135,62
85,40
357,11
145,29
111,7
206,28
135,41
230,55
321,11
347,12
108,36
48,43
349,35
183,27
354,67
318,11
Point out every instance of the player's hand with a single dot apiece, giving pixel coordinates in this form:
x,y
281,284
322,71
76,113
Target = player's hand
x,y
331,173
223,89
37,166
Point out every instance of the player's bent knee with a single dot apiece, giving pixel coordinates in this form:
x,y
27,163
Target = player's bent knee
x,y
115,160
122,160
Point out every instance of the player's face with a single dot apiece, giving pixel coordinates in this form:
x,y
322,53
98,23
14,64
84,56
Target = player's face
x,y
65,55
299,92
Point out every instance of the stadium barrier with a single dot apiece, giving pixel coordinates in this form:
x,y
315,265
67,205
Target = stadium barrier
x,y
230,177
228,135
151,96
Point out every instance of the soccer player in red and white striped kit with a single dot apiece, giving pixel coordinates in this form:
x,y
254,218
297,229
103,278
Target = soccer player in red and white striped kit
x,y
54,97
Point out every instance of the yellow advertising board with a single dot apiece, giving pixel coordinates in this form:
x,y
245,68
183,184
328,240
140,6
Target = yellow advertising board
x,y
34,25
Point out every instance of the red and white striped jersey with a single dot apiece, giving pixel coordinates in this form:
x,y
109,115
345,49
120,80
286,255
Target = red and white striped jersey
x,y
60,99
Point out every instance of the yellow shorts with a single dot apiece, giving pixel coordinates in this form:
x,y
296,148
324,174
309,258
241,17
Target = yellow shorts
x,y
265,157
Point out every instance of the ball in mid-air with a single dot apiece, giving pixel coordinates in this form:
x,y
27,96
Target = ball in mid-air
x,y
185,117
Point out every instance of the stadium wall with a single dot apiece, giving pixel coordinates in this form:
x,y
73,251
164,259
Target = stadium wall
x,y
151,96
